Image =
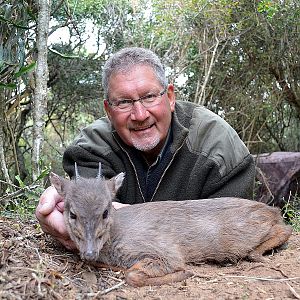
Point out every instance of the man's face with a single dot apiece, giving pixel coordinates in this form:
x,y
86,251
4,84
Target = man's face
x,y
143,128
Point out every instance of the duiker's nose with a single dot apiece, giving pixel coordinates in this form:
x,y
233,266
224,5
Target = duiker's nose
x,y
90,255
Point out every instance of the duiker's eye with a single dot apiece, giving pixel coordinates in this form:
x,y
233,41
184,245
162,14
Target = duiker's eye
x,y
105,214
73,216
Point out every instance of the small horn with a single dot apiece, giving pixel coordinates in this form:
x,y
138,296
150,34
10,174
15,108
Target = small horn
x,y
76,172
99,175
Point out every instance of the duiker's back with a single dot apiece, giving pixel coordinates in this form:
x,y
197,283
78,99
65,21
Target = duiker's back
x,y
217,229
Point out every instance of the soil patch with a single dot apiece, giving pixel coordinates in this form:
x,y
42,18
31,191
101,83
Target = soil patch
x,y
34,266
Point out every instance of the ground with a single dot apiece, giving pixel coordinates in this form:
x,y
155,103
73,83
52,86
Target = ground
x,y
34,266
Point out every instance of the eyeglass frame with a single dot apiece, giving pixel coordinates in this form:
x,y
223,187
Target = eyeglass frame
x,y
132,101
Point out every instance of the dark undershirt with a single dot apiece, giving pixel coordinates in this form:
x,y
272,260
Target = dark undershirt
x,y
149,176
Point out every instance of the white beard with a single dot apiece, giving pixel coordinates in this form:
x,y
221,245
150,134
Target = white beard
x,y
146,143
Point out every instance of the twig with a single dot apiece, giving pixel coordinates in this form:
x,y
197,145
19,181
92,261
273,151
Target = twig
x,y
17,193
263,278
201,97
113,288
262,178
9,183
24,268
296,295
55,294
114,278
282,273
11,195
100,293
29,236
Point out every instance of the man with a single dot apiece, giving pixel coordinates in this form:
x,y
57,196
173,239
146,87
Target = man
x,y
169,150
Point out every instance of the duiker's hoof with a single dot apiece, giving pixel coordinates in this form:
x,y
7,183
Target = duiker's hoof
x,y
135,278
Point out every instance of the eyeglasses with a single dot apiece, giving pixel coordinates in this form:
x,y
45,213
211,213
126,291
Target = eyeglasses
x,y
147,101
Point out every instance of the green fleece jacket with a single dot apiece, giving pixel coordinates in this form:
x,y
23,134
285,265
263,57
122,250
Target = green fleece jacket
x,y
205,159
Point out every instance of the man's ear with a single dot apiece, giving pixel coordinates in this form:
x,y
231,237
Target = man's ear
x,y
60,184
107,108
171,96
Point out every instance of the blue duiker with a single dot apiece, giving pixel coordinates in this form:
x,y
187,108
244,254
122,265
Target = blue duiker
x,y
154,241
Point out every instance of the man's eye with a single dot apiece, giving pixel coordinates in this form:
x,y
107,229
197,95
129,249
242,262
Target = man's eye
x,y
150,97
124,102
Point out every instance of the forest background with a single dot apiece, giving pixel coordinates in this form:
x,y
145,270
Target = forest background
x,y
238,58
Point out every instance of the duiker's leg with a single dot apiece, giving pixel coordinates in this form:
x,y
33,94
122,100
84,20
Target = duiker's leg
x,y
278,235
154,272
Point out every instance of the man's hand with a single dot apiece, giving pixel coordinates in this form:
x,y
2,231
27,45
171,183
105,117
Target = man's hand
x,y
49,212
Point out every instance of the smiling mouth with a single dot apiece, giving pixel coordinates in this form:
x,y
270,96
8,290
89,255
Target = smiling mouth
x,y
142,128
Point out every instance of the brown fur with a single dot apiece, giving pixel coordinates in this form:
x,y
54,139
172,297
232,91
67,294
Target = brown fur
x,y
154,241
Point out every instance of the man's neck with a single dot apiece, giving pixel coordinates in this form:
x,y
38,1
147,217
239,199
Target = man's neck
x,y
150,157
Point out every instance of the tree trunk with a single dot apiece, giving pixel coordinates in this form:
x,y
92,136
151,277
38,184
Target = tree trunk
x,y
41,78
4,170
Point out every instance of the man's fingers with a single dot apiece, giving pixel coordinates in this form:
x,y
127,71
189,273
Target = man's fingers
x,y
55,224
45,208
48,201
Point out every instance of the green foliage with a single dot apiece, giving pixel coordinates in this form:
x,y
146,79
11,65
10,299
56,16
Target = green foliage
x,y
253,81
10,86
25,69
268,7
291,213
22,200
14,27
22,206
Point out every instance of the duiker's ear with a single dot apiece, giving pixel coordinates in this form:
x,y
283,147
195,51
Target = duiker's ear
x,y
115,183
119,180
59,183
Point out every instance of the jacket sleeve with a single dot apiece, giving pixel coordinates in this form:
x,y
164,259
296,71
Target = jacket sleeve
x,y
225,161
239,182
93,145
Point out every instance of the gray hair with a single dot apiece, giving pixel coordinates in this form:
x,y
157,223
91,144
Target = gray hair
x,y
127,58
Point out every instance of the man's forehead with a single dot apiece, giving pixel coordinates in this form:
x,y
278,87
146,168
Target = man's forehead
x,y
138,79
130,69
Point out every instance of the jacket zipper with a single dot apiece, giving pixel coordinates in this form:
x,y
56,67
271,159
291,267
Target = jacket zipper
x,y
163,174
135,172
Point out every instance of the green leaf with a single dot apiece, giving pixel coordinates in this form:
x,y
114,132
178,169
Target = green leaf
x,y
67,56
21,183
25,69
10,86
43,173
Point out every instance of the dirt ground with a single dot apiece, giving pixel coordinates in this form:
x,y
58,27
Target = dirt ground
x,y
34,266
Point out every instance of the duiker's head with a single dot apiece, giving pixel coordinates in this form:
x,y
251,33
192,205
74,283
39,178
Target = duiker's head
x,y
88,210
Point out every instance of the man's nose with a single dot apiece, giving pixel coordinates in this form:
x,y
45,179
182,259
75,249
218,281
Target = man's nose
x,y
139,112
